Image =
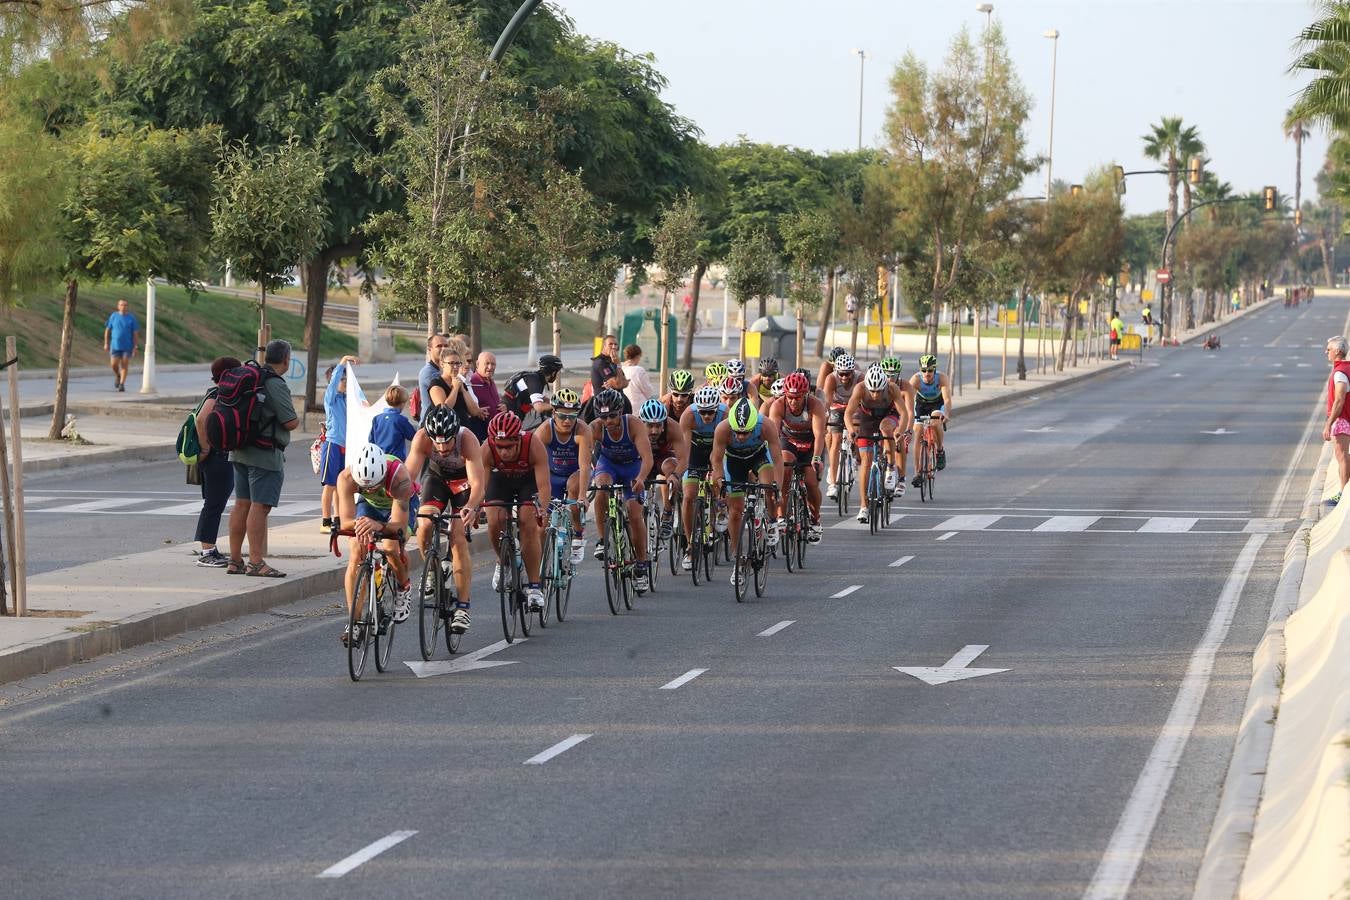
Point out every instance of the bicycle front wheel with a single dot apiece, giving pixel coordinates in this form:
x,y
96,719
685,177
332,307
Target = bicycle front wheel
x,y
358,650
760,560
740,572
384,636
613,574
803,525
429,605
506,558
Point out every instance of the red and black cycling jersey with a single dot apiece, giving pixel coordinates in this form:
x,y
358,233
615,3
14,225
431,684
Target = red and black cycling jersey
x,y
519,466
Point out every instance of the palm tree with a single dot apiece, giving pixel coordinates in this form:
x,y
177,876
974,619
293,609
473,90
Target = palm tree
x,y
1324,47
1171,142
1296,129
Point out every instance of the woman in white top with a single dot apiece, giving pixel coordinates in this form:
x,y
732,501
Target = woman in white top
x,y
640,387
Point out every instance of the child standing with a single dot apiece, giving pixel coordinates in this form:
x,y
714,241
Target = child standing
x,y
392,430
335,439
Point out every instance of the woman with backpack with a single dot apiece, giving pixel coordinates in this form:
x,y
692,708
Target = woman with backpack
x,y
217,478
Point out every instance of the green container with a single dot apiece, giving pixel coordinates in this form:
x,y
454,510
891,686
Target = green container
x,y
640,327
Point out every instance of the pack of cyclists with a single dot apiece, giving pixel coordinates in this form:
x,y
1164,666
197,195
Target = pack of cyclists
x,y
729,432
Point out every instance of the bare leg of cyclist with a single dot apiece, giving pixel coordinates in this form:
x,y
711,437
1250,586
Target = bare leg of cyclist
x,y
356,554
832,440
637,530
864,475
691,486
735,512
531,543
459,555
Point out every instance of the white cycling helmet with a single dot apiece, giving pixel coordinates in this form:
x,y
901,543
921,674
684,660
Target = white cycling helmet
x,y
875,379
777,388
706,398
735,368
845,363
368,466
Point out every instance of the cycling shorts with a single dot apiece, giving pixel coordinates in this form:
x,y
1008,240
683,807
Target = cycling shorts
x,y
923,408
743,468
558,483
868,425
699,460
503,489
620,473
834,419
441,493
801,450
382,515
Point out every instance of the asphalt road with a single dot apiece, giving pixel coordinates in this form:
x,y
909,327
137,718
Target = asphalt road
x,y
1098,541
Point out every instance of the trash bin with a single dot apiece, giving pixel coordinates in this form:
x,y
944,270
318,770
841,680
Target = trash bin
x,y
778,338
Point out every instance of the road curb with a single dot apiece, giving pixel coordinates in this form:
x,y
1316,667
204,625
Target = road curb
x,y
145,453
1230,838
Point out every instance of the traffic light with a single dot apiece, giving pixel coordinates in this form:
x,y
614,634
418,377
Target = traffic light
x,y
1118,172
1298,217
1268,198
1195,170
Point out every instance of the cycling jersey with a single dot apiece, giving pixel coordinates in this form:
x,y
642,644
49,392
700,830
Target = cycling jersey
x,y
563,460
701,441
798,435
447,477
663,448
838,401
928,398
869,416
745,457
619,458
378,502
511,480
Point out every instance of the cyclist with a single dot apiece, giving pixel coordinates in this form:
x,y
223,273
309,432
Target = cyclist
x,y
700,423
894,369
517,471
526,393
800,417
876,407
569,452
670,454
623,454
761,386
374,496
836,389
827,366
933,397
746,448
732,389
454,478
714,372
681,393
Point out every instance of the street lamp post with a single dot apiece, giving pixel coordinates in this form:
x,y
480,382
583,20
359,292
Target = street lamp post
x,y
1053,35
862,66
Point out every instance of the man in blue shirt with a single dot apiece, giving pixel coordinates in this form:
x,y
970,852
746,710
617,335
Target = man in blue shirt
x,y
121,336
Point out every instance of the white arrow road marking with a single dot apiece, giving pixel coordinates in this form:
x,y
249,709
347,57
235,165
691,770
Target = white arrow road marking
x,y
561,747
682,680
774,629
900,562
955,669
1044,429
365,854
846,591
1219,431
466,663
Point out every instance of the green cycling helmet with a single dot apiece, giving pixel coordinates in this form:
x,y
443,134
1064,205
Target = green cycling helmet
x,y
891,366
743,416
927,361
681,381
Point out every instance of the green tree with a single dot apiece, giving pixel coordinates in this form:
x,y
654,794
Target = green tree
x,y
957,147
1143,242
1172,143
137,207
752,269
1324,49
676,241
810,244
265,238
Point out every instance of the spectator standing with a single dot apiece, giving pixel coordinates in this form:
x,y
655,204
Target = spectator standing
x,y
1117,335
391,430
639,388
121,337
451,387
335,439
260,471
485,392
217,476
435,344
605,369
1337,429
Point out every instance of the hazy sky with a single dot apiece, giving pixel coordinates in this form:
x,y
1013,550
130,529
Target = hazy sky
x,y
782,72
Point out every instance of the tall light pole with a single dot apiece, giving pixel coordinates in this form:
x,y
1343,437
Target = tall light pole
x,y
862,66
1053,35
988,10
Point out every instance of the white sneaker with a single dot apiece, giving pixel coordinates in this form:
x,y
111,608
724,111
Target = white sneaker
x,y
899,489
403,604
776,530
814,534
497,577
832,492
686,562
891,478
535,598
459,622
578,550
862,515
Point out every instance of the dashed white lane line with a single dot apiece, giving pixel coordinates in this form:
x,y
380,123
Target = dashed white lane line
x,y
948,535
365,854
900,562
774,629
683,679
561,747
846,591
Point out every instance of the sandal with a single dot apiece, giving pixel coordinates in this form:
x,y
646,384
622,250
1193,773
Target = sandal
x,y
263,570
234,567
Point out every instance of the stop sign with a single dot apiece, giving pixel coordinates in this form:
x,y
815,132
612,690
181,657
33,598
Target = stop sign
x,y
1164,276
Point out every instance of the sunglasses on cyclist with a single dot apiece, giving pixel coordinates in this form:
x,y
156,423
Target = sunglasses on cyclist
x,y
681,396
566,417
928,371
608,416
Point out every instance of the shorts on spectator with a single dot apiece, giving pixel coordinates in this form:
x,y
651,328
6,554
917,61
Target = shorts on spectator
x,y
257,485
333,462
1340,427
120,354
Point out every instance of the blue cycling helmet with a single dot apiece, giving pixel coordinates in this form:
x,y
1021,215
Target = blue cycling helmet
x,y
652,412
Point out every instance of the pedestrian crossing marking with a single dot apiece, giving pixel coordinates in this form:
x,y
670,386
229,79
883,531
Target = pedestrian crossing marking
x,y
966,523
1167,525
1066,524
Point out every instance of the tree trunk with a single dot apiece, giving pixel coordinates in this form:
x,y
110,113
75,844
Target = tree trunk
x,y
699,271
826,314
1063,354
557,335
63,361
433,309
600,315
316,297
475,331
763,306
1326,259
1190,308
1022,334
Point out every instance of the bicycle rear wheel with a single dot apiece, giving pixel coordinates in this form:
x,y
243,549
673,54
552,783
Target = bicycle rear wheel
x,y
804,521
430,589
384,637
358,650
759,560
788,539
696,544
506,558
518,598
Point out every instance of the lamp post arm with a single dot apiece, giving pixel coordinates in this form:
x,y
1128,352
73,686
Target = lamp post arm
x,y
1185,215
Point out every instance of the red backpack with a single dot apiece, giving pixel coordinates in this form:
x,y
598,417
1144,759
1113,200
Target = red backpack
x,y
236,420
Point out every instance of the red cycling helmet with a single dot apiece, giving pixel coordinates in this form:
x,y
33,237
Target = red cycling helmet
x,y
796,384
503,427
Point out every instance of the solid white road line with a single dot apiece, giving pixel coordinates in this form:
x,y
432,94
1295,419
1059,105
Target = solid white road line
x,y
1115,873
1067,523
774,629
683,679
561,747
947,536
1160,525
95,505
900,562
846,591
365,854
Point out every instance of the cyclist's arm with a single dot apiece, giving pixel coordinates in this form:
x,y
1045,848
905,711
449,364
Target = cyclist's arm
x,y
817,425
946,396
417,453
346,501
638,431
821,377
585,454
401,491
775,449
473,465
854,401
681,441
716,459
539,462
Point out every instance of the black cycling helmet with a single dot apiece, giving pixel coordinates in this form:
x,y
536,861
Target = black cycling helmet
x,y
607,403
441,423
836,352
550,364
768,366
